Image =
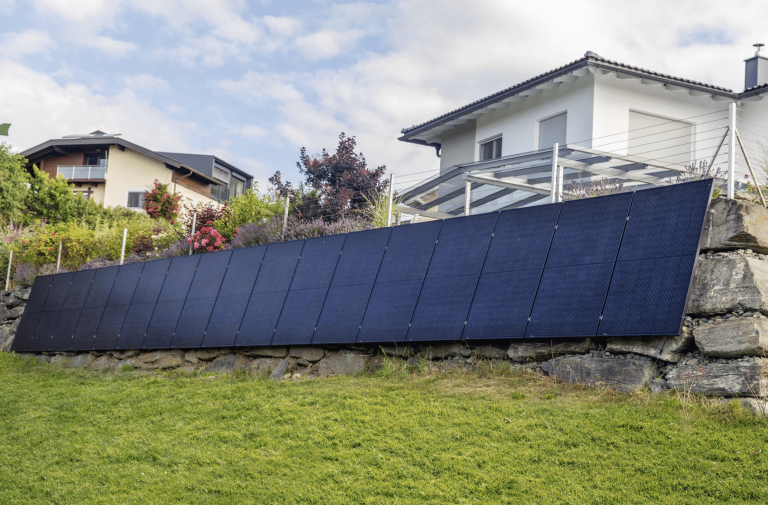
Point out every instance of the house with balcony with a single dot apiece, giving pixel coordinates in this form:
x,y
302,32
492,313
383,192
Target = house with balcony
x,y
113,171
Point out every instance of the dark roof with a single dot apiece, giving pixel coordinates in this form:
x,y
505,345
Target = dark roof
x,y
590,59
204,162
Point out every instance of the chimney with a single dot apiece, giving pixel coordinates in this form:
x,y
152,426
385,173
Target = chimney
x,y
756,69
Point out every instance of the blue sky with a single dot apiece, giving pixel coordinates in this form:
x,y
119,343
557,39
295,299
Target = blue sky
x,y
253,82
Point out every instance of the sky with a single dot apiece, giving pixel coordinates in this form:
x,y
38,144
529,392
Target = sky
x,y
253,82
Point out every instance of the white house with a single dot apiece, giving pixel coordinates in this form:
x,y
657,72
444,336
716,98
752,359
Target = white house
x,y
609,119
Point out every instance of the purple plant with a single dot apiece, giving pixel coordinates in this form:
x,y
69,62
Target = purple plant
x,y
578,190
271,231
98,263
25,274
701,170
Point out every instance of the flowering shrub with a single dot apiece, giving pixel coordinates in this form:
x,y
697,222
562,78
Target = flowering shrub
x,y
159,203
207,239
25,274
271,230
204,212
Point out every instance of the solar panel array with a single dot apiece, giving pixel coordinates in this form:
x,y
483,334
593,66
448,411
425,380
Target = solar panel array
x,y
608,266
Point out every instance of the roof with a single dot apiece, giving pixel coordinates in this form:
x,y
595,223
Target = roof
x,y
204,162
590,60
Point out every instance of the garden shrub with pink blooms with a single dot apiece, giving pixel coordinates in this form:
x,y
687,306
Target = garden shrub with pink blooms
x,y
160,204
207,239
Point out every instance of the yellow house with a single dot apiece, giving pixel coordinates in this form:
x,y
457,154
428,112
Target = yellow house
x,y
113,171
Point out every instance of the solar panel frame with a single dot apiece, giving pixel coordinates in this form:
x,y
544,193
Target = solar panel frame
x,y
39,292
25,332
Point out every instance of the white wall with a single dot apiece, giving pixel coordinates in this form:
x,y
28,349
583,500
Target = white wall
x,y
458,145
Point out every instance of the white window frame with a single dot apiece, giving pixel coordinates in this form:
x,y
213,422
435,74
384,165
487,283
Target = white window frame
x,y
537,128
479,143
128,191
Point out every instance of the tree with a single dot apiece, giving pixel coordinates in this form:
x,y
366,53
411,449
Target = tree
x,y
341,182
14,184
50,199
250,207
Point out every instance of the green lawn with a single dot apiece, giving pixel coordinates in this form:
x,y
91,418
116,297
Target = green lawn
x,y
491,437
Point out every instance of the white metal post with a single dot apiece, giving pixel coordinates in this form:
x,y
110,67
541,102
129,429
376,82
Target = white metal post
x,y
58,260
467,196
389,203
397,222
555,177
285,217
416,219
122,249
192,232
730,193
8,275
560,171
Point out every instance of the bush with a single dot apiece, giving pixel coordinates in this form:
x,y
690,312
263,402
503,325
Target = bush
x,y
98,263
50,199
250,207
25,274
204,212
207,239
160,204
271,231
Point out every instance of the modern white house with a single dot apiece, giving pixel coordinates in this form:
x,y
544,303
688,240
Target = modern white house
x,y
608,119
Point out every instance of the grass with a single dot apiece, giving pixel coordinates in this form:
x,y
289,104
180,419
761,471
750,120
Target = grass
x,y
399,436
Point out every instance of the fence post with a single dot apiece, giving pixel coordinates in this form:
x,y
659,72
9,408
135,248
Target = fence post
x,y
731,150
285,218
416,219
397,222
389,202
555,177
122,249
467,196
8,275
192,233
58,260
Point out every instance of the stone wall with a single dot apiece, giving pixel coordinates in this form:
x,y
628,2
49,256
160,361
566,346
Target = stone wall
x,y
721,351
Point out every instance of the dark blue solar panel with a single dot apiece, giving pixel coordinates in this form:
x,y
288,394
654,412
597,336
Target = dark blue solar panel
x,y
150,282
179,278
278,267
59,337
57,292
163,323
125,284
25,331
109,327
361,257
86,329
101,287
225,321
299,316
342,313
242,271
318,262
408,252
502,304
192,323
462,246
209,275
39,292
442,308
390,310
135,326
260,320
46,326
78,289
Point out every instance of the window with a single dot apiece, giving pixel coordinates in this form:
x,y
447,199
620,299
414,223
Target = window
x,y
135,200
95,159
490,150
221,174
238,187
660,138
552,130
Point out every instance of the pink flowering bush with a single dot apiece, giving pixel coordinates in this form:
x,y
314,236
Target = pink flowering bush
x,y
207,239
159,203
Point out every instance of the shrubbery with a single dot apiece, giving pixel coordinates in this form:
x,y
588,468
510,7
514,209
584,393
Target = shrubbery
x,y
160,204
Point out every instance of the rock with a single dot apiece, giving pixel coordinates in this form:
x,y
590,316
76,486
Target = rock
x,y
13,301
442,351
302,362
626,376
159,359
227,364
311,354
722,285
342,364
541,350
60,359
261,366
7,332
101,363
736,378
758,406
397,351
736,225
191,356
658,385
489,352
81,360
279,370
22,292
125,354
275,352
14,313
207,354
664,348
735,338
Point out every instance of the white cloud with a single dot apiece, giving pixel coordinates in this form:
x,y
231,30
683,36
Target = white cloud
x,y
80,11
258,88
284,26
107,45
327,43
7,5
147,83
252,132
28,42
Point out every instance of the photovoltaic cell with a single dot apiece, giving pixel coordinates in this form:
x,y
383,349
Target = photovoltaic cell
x,y
163,323
650,284
87,325
109,327
78,289
260,319
210,274
408,252
25,331
58,337
442,308
577,273
278,267
125,284
57,292
135,326
40,288
342,314
46,326
241,273
151,281
389,310
103,280
225,321
299,316
192,323
179,278
361,257
318,262
462,246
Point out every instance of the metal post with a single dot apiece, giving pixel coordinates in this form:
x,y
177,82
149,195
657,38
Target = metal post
x,y
467,196
749,166
58,260
717,151
399,215
389,202
555,177
416,219
730,193
8,275
192,233
560,171
285,217
122,249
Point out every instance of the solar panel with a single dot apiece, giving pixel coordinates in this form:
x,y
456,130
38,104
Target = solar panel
x,y
572,291
43,334
408,252
261,318
109,327
653,273
442,308
242,271
278,267
462,246
125,284
135,326
25,331
361,257
56,334
209,275
318,262
163,323
389,311
225,321
151,281
192,323
179,278
342,314
40,288
57,292
78,289
85,332
299,316
103,280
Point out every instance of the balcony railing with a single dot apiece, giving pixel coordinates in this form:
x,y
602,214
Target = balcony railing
x,y
83,172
